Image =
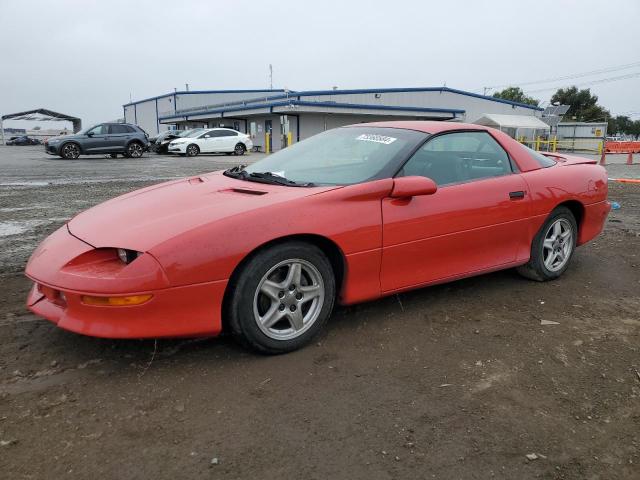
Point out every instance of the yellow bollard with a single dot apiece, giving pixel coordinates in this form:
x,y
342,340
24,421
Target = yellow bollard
x,y
267,143
555,144
600,147
289,138
537,144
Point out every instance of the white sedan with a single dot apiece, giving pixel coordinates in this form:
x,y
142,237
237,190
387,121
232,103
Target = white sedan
x,y
212,140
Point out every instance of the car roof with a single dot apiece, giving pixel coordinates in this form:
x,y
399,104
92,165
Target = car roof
x,y
423,125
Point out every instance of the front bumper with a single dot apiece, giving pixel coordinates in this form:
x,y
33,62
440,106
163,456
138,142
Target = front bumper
x,y
180,148
64,269
189,311
52,149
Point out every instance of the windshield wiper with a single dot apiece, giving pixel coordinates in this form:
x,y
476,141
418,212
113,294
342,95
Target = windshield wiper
x,y
263,177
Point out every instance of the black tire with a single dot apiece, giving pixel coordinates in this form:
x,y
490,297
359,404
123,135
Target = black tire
x,y
239,149
244,287
192,150
536,269
70,151
134,150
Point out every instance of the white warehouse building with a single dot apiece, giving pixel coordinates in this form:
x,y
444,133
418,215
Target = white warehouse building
x,y
276,118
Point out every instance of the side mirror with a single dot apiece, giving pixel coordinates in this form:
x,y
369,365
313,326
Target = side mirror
x,y
404,187
89,134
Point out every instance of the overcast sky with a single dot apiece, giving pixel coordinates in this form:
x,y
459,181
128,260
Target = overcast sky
x,y
86,58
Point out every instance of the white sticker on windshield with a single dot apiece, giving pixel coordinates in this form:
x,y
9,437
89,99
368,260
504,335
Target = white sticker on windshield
x,y
369,137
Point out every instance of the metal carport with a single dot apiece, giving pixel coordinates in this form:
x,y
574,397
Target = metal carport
x,y
42,115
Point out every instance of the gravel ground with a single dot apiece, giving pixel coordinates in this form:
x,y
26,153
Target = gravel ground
x,y
463,380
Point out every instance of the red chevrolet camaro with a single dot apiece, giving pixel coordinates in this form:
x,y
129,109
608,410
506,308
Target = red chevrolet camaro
x,y
346,216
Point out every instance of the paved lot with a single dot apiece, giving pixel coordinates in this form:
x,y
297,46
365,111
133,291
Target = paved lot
x,y
454,381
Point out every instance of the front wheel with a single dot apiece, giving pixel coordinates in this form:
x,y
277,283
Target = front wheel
x,y
192,150
552,247
70,151
282,298
135,150
239,149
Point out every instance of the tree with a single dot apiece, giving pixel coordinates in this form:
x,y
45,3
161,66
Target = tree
x,y
515,94
583,106
622,124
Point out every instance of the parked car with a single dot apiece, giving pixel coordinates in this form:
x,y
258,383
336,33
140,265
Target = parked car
x,y
212,140
349,215
23,140
161,143
111,138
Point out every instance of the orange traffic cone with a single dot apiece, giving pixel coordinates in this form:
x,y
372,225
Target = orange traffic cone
x,y
603,158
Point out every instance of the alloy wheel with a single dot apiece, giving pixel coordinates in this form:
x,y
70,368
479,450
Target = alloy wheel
x,y
71,150
135,150
288,299
192,150
558,245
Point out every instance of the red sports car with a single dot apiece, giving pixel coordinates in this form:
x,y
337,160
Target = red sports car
x,y
346,216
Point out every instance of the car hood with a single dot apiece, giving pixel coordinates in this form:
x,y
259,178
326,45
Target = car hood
x,y
148,217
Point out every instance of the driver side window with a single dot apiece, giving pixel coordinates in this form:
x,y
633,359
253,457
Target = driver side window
x,y
459,157
98,130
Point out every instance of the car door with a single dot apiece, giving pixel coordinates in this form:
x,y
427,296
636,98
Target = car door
x,y
228,140
475,221
118,137
96,139
207,141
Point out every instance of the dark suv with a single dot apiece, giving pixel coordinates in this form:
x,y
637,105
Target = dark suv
x,y
112,138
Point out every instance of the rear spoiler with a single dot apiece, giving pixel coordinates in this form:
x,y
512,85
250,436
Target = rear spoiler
x,y
569,159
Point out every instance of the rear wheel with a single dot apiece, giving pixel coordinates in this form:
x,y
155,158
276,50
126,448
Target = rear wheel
x,y
239,149
192,150
282,298
135,150
70,151
552,247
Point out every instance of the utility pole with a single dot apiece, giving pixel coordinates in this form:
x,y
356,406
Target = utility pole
x,y
270,77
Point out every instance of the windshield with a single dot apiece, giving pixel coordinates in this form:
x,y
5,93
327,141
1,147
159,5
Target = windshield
x,y
342,156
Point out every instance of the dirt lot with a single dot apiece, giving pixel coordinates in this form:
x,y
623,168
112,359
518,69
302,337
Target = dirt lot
x,y
458,381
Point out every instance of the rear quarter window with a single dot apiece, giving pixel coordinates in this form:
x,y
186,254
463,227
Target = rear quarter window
x,y
542,160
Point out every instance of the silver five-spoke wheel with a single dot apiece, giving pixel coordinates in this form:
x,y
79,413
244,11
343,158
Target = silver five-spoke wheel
x,y
557,245
289,299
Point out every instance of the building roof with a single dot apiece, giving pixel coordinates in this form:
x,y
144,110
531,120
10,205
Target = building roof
x,y
292,93
512,121
196,92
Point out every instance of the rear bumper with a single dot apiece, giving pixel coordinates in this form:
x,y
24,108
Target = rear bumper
x,y
188,311
595,216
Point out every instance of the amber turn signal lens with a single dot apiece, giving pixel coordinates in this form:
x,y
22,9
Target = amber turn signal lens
x,y
116,301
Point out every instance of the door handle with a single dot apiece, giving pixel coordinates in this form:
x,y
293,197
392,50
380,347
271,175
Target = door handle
x,y
519,195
